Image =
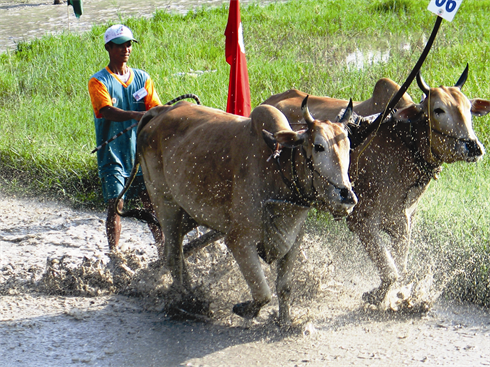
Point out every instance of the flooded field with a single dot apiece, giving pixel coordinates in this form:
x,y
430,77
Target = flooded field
x,y
26,19
84,321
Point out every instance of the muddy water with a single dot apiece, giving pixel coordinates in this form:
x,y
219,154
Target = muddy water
x,y
333,326
27,19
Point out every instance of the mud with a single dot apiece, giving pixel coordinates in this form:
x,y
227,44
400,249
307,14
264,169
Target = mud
x,y
65,301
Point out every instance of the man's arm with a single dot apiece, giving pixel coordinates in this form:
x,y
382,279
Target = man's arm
x,y
102,104
112,113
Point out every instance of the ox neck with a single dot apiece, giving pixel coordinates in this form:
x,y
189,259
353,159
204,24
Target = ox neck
x,y
299,195
416,139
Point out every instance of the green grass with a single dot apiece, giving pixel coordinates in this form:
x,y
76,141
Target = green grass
x,y
47,122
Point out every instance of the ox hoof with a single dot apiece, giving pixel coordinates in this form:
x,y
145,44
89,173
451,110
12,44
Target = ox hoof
x,y
248,310
370,298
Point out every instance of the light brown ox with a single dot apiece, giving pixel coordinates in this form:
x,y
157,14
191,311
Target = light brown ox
x,y
392,168
217,169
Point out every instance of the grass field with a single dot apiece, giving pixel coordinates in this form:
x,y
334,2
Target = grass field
x,y
325,47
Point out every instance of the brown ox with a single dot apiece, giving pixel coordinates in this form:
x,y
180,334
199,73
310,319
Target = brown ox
x,y
227,172
326,108
392,168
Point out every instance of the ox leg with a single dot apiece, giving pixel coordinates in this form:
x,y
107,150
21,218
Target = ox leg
x,y
369,235
400,234
174,223
183,302
283,282
155,230
170,217
245,254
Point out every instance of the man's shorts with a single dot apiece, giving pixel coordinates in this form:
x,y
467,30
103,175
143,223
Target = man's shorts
x,y
113,185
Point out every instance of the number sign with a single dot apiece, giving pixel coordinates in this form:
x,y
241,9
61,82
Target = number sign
x,y
445,8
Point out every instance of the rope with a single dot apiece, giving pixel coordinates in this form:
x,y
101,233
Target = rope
x,y
175,100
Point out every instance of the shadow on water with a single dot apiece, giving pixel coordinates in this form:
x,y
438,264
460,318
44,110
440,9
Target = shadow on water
x,y
119,334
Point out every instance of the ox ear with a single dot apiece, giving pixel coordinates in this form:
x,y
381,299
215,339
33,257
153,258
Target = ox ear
x,y
479,107
409,114
285,138
345,119
269,139
290,139
462,79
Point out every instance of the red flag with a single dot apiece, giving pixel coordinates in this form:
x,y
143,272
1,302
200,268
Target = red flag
x,y
238,89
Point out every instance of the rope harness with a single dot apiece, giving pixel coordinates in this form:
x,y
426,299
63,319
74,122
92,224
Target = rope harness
x,y
429,170
299,193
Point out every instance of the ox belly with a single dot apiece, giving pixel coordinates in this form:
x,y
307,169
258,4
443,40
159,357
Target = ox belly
x,y
282,222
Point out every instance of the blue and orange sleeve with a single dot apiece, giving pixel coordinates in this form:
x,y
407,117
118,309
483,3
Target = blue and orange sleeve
x,y
98,95
152,99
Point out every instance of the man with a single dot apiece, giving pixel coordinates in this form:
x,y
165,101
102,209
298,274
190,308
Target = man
x,y
120,96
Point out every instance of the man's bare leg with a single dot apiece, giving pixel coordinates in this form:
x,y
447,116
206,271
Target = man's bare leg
x,y
113,224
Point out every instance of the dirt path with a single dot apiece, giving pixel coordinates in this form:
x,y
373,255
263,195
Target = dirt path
x,y
76,317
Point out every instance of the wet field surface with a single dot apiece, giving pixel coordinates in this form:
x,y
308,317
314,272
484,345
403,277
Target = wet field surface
x,y
27,19
333,327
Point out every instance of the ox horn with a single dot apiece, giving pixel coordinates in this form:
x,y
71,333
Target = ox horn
x,y
306,112
462,79
422,84
347,113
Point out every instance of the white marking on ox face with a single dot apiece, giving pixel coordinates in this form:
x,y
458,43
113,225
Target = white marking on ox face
x,y
330,157
453,138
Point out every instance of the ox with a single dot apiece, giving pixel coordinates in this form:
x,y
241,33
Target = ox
x,y
392,168
251,179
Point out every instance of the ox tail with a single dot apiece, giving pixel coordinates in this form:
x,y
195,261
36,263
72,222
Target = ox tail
x,y
140,214
201,242
175,100
184,96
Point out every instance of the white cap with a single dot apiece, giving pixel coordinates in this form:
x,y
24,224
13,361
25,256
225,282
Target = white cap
x,y
118,34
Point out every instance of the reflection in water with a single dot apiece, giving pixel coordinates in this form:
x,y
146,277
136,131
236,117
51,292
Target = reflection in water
x,y
359,60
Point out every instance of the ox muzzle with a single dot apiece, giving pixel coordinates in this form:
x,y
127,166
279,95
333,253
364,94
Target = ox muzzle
x,y
340,203
347,197
473,148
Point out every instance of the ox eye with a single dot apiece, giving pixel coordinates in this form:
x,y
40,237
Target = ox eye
x,y
438,111
319,148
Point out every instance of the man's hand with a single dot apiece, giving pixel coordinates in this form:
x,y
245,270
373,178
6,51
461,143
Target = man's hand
x,y
112,113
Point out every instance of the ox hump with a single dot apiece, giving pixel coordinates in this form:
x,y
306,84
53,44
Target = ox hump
x,y
266,117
